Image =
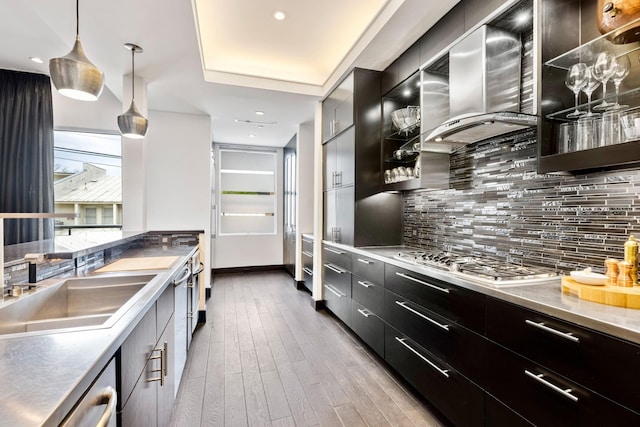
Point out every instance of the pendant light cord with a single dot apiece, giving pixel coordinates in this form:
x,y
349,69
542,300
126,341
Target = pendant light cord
x,y
133,75
77,18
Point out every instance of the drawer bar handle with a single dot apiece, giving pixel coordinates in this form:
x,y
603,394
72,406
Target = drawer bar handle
x,y
444,372
540,378
330,288
417,313
365,261
308,271
437,288
333,268
541,325
365,284
307,253
365,313
108,397
335,251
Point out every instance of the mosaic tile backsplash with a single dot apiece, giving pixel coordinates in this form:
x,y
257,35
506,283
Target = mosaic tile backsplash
x,y
499,206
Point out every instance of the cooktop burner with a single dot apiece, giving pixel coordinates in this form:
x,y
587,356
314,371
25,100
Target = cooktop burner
x,y
486,270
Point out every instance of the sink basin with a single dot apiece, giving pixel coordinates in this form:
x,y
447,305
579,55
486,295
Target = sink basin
x,y
72,303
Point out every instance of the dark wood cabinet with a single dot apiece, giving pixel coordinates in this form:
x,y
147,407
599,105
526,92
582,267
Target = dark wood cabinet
x,y
544,397
497,414
368,268
338,160
460,305
368,293
582,355
337,109
458,398
368,326
580,42
336,282
440,336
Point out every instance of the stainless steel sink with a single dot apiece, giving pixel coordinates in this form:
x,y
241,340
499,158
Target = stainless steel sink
x,y
72,303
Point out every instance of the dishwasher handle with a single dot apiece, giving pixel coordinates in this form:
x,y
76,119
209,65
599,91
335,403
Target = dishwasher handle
x,y
185,276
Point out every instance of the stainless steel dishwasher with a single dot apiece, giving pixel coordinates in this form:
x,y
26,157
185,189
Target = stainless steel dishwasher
x,y
97,408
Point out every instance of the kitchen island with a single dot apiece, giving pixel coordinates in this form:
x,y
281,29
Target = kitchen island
x,y
45,373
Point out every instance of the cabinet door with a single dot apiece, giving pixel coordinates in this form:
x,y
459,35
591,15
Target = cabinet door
x,y
344,105
454,395
346,158
328,118
180,334
330,232
164,306
338,302
345,214
167,387
141,408
134,354
330,156
368,326
368,293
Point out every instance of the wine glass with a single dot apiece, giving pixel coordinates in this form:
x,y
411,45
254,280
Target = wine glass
x,y
603,69
589,88
576,80
623,65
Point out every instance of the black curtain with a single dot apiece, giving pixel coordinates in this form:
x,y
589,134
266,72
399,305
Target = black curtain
x,y
26,153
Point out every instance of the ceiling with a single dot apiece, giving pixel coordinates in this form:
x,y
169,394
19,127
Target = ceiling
x,y
226,59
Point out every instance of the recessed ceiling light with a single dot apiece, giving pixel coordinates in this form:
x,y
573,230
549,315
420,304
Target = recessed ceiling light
x,y
259,113
251,135
279,15
36,60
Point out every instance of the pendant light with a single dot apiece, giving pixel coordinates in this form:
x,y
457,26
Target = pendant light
x,y
132,123
74,75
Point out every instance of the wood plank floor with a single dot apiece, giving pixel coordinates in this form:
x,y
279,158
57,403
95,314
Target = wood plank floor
x,y
265,357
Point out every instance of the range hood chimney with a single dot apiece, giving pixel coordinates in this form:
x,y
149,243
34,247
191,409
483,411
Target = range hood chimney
x,y
484,91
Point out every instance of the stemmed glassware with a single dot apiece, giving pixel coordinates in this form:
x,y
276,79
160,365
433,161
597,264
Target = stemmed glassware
x,y
589,88
603,69
623,65
576,80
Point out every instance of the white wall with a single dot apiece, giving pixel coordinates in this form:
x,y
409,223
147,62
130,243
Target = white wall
x,y
99,116
304,169
177,161
253,250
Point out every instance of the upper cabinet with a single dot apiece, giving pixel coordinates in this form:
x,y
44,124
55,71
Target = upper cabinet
x,y
337,109
589,85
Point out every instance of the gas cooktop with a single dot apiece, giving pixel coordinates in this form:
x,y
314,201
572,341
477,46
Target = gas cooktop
x,y
478,269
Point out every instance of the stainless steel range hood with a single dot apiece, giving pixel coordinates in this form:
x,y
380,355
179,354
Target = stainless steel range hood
x,y
484,92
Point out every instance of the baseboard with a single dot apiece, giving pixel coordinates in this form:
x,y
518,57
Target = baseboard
x,y
317,305
202,316
250,269
299,284
207,293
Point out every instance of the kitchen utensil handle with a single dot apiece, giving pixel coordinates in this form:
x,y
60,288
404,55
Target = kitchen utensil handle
x,y
540,378
437,288
365,261
444,372
333,268
417,313
308,271
335,251
330,288
365,313
541,325
108,397
365,284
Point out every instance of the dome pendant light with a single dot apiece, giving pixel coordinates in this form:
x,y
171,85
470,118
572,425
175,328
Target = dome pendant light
x,y
74,75
132,123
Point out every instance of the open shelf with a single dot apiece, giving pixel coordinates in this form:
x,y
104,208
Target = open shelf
x,y
629,97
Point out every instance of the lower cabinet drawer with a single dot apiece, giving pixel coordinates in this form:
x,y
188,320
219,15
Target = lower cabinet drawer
x,y
368,326
338,277
308,278
460,347
546,398
454,395
368,293
338,302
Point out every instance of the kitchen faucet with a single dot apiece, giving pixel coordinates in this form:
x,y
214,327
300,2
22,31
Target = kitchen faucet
x,y
4,216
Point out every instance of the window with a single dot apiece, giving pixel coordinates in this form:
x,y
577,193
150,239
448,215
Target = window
x,y
247,192
87,178
90,215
